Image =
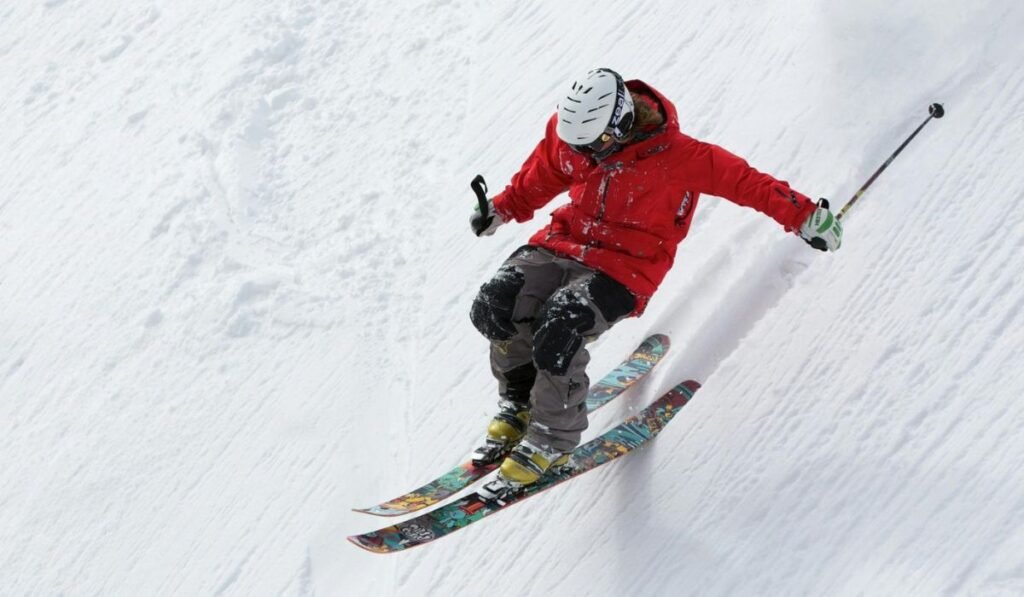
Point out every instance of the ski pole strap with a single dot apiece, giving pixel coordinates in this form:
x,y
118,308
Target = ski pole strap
x,y
479,186
934,111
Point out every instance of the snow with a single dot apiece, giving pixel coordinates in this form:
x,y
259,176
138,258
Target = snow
x,y
236,270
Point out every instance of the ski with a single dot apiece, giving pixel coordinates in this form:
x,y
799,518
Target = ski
x,y
627,373
622,439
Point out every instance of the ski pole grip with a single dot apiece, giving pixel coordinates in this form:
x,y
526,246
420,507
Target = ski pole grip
x,y
479,186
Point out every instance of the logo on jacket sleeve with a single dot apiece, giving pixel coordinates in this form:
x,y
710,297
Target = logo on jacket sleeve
x,y
684,208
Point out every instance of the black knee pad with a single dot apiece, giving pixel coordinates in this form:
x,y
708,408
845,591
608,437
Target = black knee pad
x,y
612,299
558,331
491,313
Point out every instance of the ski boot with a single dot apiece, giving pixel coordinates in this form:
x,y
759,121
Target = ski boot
x,y
504,432
524,466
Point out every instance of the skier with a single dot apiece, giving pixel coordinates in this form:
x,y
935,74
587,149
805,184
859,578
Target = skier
x,y
634,181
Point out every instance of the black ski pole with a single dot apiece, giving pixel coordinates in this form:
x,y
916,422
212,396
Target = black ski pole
x,y
934,111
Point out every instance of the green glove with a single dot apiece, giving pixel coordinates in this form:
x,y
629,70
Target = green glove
x,y
822,230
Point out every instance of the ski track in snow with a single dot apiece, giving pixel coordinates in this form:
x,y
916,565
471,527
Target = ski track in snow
x,y
236,272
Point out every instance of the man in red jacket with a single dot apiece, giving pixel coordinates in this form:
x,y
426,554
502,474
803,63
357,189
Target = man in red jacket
x,y
634,181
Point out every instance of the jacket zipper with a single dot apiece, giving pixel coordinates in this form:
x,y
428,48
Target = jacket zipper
x,y
602,191
602,199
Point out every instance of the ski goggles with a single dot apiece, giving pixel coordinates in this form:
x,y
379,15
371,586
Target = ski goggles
x,y
597,145
616,132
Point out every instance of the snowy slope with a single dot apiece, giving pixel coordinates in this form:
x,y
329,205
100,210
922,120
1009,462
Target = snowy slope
x,y
235,272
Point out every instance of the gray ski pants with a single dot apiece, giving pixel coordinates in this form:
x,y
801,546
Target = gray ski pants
x,y
539,311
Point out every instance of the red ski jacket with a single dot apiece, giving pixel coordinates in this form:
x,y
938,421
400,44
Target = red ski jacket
x,y
628,212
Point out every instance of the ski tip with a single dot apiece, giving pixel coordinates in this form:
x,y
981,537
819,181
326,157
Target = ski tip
x,y
383,541
663,339
382,511
687,388
354,540
657,341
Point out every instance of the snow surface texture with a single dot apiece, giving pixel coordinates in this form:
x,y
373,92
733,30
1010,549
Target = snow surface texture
x,y
235,273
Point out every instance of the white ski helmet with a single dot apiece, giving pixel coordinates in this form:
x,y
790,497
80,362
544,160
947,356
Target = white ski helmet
x,y
596,104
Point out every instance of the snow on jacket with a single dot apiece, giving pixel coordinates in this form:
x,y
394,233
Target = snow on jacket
x,y
628,212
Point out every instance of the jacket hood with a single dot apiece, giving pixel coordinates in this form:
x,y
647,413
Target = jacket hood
x,y
655,142
669,109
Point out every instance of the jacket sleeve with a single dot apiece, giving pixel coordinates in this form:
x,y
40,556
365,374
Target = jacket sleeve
x,y
538,181
726,175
